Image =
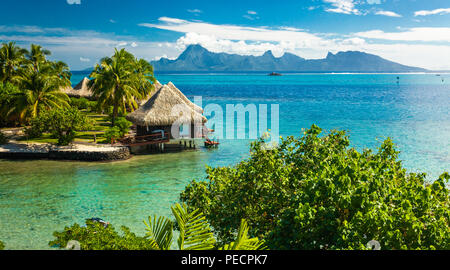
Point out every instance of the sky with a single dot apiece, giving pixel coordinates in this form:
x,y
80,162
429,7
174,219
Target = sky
x,y
80,32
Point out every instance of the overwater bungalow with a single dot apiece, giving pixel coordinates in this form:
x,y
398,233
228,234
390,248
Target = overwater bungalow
x,y
155,118
157,85
81,90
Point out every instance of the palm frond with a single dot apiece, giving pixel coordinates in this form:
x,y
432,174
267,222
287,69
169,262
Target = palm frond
x,y
243,242
159,232
195,233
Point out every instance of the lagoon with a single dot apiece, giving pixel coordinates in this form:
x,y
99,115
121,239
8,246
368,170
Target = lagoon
x,y
39,197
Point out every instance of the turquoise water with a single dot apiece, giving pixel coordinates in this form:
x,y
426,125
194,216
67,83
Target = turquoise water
x,y
39,197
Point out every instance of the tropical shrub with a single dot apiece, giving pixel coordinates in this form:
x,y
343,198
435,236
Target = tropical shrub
x,y
95,236
194,234
112,134
315,192
3,138
80,103
37,127
61,123
123,125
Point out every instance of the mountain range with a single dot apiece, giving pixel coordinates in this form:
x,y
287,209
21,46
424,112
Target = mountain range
x,y
198,59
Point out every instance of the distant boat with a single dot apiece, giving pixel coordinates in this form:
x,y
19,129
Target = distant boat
x,y
275,74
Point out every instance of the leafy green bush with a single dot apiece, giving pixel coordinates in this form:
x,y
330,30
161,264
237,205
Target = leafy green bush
x,y
112,134
194,234
94,236
62,123
2,246
37,127
315,192
79,103
3,138
123,125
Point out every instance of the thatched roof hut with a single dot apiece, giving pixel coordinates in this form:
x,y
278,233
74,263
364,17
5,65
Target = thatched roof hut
x,y
157,111
158,86
81,90
185,99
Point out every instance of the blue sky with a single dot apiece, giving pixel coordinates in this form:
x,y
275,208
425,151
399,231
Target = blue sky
x,y
80,32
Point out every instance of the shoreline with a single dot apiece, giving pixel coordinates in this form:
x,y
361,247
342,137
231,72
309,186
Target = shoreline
x,y
74,152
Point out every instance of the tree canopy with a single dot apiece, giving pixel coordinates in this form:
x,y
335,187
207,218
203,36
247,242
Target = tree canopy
x,y
316,192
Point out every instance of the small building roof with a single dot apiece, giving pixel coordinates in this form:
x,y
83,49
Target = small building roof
x,y
185,99
157,111
81,90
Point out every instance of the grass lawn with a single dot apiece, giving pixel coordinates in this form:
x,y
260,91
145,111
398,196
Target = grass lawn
x,y
101,124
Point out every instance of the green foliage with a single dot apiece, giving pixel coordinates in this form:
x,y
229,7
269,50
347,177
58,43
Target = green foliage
x,y
112,134
40,82
8,92
243,242
315,192
194,234
61,123
2,246
12,58
123,125
95,236
3,138
83,104
38,126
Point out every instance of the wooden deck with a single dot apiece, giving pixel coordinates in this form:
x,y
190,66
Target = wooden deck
x,y
146,140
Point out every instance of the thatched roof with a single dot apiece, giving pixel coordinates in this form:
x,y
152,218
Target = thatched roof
x,y
186,100
158,86
157,111
81,90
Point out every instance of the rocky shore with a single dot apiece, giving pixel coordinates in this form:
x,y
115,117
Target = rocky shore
x,y
77,152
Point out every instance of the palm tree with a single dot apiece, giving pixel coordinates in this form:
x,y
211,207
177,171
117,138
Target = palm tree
x,y
120,80
144,71
37,56
11,58
39,91
61,70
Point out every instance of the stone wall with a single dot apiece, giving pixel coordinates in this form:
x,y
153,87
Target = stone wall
x,y
121,153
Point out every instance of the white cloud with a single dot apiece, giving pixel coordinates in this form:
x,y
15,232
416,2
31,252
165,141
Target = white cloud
x,y
388,13
67,45
194,11
424,34
251,15
82,59
373,2
72,2
342,6
432,12
256,40
234,32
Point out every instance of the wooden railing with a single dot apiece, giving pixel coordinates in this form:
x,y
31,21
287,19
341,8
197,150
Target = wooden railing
x,y
146,139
